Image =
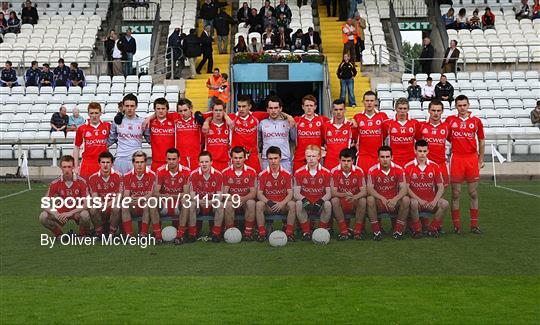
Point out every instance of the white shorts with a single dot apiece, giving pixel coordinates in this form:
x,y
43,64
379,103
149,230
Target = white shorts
x,y
123,165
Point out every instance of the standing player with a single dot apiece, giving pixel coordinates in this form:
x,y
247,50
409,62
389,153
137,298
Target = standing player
x,y
349,194
466,160
312,192
426,188
206,186
275,194
387,192
68,185
240,179
106,184
139,185
401,132
161,133
218,137
370,134
93,137
338,134
309,130
171,187
188,134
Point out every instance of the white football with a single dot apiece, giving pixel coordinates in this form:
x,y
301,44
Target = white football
x,y
168,233
232,236
277,238
321,236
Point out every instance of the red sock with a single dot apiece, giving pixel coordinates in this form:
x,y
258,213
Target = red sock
x,y
343,227
57,231
229,226
144,229
83,232
192,230
399,226
323,224
417,227
435,225
306,227
375,227
289,230
128,227
262,230
358,228
157,230
425,222
216,230
474,217
248,229
456,219
99,231
181,232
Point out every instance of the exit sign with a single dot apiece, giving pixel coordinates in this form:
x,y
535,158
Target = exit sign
x,y
414,25
138,29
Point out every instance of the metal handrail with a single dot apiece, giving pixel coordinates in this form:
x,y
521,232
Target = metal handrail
x,y
326,110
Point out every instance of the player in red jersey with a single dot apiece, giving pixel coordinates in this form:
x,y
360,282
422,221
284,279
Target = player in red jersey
x,y
206,184
466,160
349,194
338,134
172,189
275,194
139,185
312,192
401,132
309,130
218,137
426,188
387,192
67,186
106,184
93,137
370,134
240,179
161,133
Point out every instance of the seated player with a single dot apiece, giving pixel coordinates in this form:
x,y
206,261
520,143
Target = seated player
x,y
349,194
240,179
206,183
312,192
275,194
68,185
426,188
387,192
139,185
106,184
171,188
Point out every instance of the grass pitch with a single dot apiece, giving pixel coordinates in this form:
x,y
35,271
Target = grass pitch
x,y
488,279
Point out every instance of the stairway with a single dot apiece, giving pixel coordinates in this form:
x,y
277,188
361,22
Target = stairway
x,y
333,49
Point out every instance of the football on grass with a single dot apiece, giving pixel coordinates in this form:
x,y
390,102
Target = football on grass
x,y
232,236
277,238
321,236
168,233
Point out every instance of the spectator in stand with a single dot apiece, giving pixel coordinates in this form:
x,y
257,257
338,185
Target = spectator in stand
x,y
206,49
46,77
117,55
241,46
360,26
29,14
353,4
343,10
242,15
536,10
255,22
265,9
8,76
222,24
297,41
414,92
282,40
283,21
334,4
488,19
192,49
282,7
312,38
224,90
129,49
61,74
451,56
174,52
444,91
462,22
426,57
449,19
255,46
209,11
75,120
3,23
5,8
535,115
31,77
474,21
428,90
76,75
348,33
213,84
522,10
108,43
346,73
269,21
59,120
13,23
268,39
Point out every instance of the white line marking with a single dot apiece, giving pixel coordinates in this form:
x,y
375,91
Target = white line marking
x,y
517,191
13,194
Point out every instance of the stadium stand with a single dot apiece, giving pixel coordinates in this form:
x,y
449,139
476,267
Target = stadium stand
x,y
410,8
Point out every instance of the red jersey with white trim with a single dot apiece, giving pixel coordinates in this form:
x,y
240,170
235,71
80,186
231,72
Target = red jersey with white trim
x,y
217,141
102,185
162,138
139,185
275,187
188,135
351,182
239,182
436,136
94,138
313,186
336,138
246,130
308,132
64,189
423,181
370,135
464,133
386,183
172,183
401,135
206,184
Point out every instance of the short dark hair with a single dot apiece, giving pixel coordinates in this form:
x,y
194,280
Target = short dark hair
x,y
216,69
173,150
369,93
435,102
132,97
218,101
338,101
67,158
60,60
273,150
161,101
244,98
239,149
462,97
225,76
420,143
185,101
384,148
33,63
274,99
429,79
105,154
346,153
46,65
75,65
205,153
9,62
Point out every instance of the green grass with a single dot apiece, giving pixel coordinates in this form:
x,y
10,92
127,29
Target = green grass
x,y
493,278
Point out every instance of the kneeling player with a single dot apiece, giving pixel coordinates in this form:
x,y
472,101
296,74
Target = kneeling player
x,y
312,192
67,186
426,188
387,191
139,185
275,195
239,180
106,184
348,194
172,188
205,190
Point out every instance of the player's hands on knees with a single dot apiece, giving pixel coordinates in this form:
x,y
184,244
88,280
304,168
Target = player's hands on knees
x,y
276,207
62,218
431,205
391,203
305,203
349,196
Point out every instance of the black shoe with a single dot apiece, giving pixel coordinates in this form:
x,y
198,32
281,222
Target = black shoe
x,y
441,231
198,72
290,238
179,241
378,236
342,237
360,236
425,231
434,234
457,231
261,239
159,241
191,239
383,232
215,238
417,235
247,238
306,236
476,230
398,236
